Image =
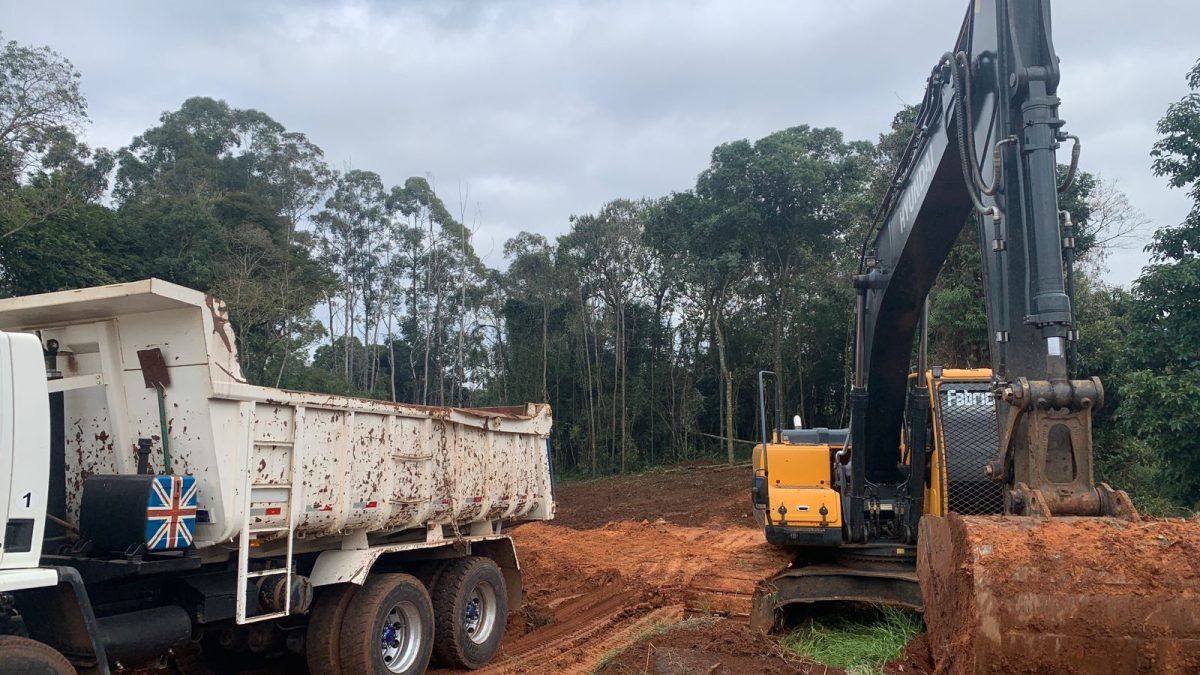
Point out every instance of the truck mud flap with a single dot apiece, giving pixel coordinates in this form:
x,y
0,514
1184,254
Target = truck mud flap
x,y
62,617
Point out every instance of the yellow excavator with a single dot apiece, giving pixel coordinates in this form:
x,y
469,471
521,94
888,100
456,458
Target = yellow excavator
x,y
800,506
969,493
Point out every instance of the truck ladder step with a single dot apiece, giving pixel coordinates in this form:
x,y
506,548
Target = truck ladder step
x,y
260,448
265,617
273,572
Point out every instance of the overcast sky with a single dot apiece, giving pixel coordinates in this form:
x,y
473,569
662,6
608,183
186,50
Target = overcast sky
x,y
545,109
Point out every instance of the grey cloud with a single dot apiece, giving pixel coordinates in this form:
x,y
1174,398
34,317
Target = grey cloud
x,y
549,109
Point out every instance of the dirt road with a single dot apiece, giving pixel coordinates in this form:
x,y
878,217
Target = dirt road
x,y
625,557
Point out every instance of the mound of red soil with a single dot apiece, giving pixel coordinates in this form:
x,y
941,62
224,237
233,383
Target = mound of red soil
x,y
1094,595
626,557
710,495
916,659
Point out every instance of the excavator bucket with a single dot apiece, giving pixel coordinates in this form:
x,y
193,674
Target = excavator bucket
x,y
1054,595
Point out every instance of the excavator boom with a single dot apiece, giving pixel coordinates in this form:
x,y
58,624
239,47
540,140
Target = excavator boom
x,y
984,151
1065,576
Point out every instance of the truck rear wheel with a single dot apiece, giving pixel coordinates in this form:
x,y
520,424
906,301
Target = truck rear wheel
x,y
387,627
430,572
470,608
30,657
323,637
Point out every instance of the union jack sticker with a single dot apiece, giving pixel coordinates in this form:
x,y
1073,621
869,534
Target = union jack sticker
x,y
171,513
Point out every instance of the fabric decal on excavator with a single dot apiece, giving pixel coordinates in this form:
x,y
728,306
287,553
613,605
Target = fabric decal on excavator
x,y
968,430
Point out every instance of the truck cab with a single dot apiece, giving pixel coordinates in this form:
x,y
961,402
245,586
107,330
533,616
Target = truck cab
x,y
24,458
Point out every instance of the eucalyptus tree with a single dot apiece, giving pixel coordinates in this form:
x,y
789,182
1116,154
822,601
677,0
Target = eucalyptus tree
x,y
704,249
612,260
351,241
532,280
445,274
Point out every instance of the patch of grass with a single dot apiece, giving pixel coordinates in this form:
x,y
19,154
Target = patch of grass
x,y
859,642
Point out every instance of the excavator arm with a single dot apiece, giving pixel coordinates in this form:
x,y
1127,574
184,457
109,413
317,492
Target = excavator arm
x,y
984,151
1078,582
1069,578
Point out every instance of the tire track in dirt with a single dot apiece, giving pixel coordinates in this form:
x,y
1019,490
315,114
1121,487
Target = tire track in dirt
x,y
591,592
627,555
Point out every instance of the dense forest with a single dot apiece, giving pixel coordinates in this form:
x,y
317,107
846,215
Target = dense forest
x,y
644,325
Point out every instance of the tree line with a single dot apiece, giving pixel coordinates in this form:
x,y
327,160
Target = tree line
x,y
644,324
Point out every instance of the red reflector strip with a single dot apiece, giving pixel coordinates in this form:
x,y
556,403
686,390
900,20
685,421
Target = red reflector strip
x,y
273,510
372,504
477,500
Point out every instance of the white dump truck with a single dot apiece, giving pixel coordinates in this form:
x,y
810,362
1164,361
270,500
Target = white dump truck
x,y
153,501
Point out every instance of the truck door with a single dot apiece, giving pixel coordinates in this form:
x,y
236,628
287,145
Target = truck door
x,y
24,449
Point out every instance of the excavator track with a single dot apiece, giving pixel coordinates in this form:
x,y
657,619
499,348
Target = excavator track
x,y
1087,595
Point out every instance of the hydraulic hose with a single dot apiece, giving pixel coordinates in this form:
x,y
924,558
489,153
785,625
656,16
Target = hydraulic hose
x,y
1075,150
964,107
966,155
926,117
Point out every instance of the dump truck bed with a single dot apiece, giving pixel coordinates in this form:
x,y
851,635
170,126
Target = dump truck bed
x,y
359,465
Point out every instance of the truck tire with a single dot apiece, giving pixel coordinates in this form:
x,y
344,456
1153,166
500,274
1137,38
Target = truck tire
x,y
387,627
470,608
430,572
322,639
30,657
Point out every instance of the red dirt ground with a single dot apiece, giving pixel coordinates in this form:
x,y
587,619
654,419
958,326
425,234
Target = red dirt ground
x,y
654,573
702,495
626,557
719,647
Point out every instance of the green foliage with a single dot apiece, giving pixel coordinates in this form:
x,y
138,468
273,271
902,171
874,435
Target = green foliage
x,y
1160,393
1177,154
76,246
45,172
40,103
192,152
644,325
858,642
210,199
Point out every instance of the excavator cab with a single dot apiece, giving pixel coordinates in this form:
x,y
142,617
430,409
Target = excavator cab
x,y
795,489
